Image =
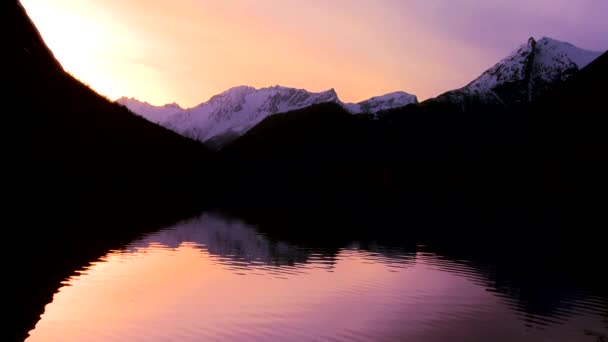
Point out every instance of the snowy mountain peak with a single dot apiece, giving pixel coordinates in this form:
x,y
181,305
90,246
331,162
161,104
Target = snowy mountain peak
x,y
526,73
148,111
330,95
233,112
554,51
238,109
379,103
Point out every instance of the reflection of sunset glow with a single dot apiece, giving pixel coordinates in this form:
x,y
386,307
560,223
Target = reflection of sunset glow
x,y
217,279
145,294
186,51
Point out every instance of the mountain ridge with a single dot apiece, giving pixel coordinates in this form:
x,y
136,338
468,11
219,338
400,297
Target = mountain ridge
x,y
233,112
518,79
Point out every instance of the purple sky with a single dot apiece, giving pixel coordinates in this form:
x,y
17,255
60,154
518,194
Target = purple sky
x,y
499,25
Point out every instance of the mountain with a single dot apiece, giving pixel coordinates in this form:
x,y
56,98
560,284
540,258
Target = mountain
x,y
288,135
232,113
381,103
568,130
316,152
69,154
63,138
238,109
148,111
524,75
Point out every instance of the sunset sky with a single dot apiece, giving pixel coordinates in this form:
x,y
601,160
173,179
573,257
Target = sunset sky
x,y
185,51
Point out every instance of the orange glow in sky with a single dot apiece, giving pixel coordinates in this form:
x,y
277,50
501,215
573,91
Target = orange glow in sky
x,y
185,51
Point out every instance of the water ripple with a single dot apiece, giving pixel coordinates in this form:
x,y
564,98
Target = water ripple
x,y
213,279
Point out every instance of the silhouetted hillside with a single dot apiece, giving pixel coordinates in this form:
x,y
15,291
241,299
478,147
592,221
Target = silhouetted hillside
x,y
303,134
420,150
80,174
64,139
311,156
568,128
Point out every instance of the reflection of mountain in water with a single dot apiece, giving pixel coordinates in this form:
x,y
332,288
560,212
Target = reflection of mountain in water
x,y
502,257
539,298
527,287
235,242
230,240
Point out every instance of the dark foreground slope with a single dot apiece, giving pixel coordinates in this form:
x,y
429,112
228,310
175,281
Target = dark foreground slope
x,y
65,140
420,151
569,128
309,156
80,175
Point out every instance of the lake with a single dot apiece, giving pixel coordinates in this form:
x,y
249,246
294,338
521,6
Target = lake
x,y
217,278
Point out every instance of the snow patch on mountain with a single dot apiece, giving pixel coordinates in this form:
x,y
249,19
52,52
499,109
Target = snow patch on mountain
x,y
549,48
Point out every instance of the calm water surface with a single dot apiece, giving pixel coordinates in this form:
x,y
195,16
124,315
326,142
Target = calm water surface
x,y
216,279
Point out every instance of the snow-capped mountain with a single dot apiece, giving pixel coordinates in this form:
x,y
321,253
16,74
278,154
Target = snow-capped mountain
x,y
232,113
525,74
148,111
235,111
380,103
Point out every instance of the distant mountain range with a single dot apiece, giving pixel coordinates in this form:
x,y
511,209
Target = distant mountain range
x,y
519,78
232,113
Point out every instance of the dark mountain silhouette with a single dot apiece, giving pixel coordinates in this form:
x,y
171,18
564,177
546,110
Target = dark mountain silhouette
x,y
568,128
63,138
421,150
291,134
308,156
81,174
